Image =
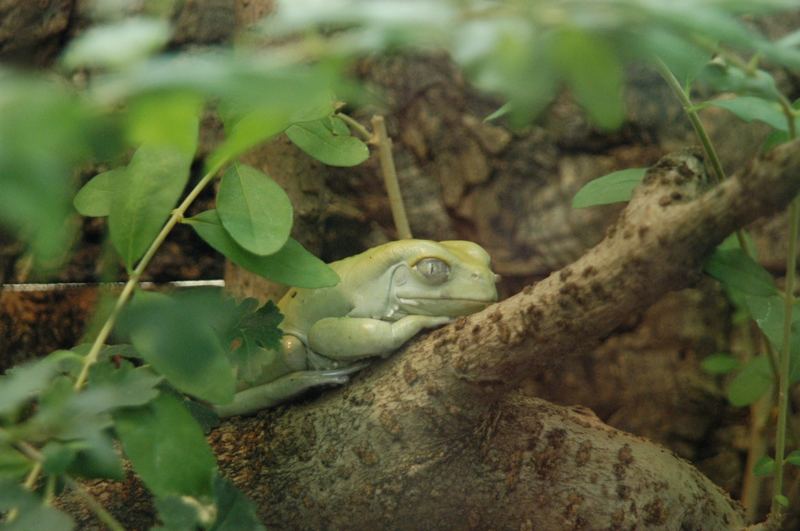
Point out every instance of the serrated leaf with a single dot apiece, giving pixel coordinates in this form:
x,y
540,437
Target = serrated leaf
x,y
253,331
292,265
234,510
737,271
117,44
750,108
614,187
720,363
167,448
321,143
31,512
94,197
176,336
143,200
752,382
764,467
254,210
594,75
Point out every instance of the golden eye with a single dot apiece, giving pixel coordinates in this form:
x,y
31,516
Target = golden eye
x,y
433,269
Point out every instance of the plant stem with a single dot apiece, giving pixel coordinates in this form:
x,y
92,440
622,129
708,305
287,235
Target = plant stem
x,y
133,279
362,131
384,143
785,358
702,135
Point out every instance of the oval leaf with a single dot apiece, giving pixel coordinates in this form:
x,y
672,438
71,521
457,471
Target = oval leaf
x,y
322,143
251,129
720,363
764,467
117,44
144,198
750,108
751,383
615,187
167,447
292,265
737,271
94,198
254,210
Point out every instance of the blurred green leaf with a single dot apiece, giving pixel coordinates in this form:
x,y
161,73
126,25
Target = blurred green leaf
x,y
764,467
32,513
768,313
94,197
499,113
234,510
728,78
291,265
254,210
57,457
179,513
782,500
683,57
177,336
752,382
167,118
13,465
96,457
750,108
142,201
24,382
737,271
720,364
117,44
793,458
252,128
614,187
167,448
594,75
319,140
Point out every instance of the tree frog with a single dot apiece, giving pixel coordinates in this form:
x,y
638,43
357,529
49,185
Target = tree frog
x,y
386,295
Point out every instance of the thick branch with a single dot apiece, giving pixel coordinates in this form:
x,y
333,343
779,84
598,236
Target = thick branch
x,y
427,439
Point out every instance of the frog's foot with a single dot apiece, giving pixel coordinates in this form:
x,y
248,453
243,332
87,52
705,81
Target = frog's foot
x,y
270,394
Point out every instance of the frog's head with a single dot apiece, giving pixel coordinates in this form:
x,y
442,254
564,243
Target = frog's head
x,y
451,278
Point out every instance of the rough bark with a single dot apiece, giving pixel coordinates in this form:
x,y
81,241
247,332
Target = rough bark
x,y
437,436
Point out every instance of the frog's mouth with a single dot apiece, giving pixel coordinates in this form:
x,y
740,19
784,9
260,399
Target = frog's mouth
x,y
454,307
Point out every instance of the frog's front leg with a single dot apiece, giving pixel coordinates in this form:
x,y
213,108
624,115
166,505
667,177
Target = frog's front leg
x,y
353,338
280,390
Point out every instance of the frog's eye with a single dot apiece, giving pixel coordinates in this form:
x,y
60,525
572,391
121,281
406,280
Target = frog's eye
x,y
433,269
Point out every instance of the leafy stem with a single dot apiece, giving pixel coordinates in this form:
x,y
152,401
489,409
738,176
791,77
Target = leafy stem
x,y
133,280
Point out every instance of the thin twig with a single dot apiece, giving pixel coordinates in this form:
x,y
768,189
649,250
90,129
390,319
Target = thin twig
x,y
384,143
362,131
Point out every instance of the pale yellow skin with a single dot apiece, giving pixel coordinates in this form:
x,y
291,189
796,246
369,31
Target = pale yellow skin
x,y
386,296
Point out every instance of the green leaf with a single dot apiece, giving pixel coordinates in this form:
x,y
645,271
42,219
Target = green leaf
x,y
167,118
94,197
720,364
57,457
499,113
253,330
254,210
764,467
143,200
180,513
593,73
96,457
737,271
728,78
292,265
752,382
176,335
13,465
253,128
793,458
319,141
166,447
782,500
118,44
32,513
234,510
750,108
614,187
23,382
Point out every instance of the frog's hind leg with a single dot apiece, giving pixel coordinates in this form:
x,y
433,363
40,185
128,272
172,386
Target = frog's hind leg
x,y
284,388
